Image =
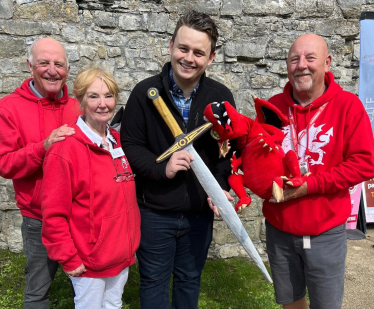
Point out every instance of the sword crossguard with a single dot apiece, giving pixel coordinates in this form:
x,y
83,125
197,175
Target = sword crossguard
x,y
184,141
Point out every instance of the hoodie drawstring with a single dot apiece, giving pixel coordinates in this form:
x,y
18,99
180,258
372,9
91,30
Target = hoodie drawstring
x,y
295,117
41,118
292,116
92,239
41,121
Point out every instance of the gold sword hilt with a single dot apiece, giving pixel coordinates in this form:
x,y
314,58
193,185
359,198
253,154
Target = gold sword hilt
x,y
164,112
182,140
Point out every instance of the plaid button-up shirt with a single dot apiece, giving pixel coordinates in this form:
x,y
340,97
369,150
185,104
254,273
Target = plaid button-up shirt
x,y
182,103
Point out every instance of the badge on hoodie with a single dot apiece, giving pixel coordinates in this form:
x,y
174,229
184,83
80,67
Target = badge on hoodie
x,y
117,152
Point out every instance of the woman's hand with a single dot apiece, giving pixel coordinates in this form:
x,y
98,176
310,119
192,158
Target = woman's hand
x,y
76,272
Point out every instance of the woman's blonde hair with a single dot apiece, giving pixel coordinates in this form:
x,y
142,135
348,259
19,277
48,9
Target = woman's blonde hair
x,y
85,78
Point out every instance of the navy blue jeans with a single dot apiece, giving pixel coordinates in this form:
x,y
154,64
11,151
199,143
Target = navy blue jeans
x,y
40,270
172,243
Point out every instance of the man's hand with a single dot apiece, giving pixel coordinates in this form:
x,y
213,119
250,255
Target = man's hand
x,y
179,161
214,208
292,193
76,272
58,135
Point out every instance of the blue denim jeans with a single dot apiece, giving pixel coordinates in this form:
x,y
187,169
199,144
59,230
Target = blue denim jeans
x,y
40,270
172,243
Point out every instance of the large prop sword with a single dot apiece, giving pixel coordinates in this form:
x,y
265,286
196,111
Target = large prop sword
x,y
205,177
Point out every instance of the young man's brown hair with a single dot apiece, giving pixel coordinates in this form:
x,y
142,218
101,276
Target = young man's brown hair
x,y
200,22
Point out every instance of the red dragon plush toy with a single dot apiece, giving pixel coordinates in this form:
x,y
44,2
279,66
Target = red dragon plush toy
x,y
266,168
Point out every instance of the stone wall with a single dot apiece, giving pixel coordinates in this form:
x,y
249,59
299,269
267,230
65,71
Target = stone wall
x,y
131,39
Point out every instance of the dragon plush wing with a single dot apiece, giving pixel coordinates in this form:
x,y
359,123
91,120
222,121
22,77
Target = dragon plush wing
x,y
269,114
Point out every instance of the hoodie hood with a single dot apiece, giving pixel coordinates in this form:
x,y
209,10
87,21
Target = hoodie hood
x,y
332,90
82,138
304,117
44,104
25,92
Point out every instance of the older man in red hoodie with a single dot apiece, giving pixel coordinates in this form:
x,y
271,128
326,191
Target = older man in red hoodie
x,y
32,118
331,134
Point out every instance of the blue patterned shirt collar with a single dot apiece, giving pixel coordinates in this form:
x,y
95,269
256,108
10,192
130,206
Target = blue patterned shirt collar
x,y
183,104
176,91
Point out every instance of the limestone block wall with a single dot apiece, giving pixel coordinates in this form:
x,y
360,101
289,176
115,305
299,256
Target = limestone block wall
x,y
130,38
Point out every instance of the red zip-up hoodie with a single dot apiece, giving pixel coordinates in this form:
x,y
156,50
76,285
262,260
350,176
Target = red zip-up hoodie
x,y
25,122
89,217
340,154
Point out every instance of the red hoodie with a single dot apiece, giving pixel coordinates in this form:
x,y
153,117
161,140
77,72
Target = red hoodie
x,y
88,217
340,155
25,122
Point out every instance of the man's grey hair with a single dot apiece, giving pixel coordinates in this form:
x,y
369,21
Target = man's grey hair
x,y
31,56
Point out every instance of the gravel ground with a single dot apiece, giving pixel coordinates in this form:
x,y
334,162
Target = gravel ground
x,y
359,275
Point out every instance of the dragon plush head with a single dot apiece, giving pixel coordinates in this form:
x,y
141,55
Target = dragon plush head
x,y
228,124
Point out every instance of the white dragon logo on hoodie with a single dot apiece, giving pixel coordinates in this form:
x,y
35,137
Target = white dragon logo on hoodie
x,y
316,142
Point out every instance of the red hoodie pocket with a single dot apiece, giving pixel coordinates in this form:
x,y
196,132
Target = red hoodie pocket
x,y
114,244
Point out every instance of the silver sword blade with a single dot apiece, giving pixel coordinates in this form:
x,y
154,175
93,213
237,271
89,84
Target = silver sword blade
x,y
226,210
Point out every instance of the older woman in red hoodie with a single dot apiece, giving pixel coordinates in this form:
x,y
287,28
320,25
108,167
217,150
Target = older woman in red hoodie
x,y
91,222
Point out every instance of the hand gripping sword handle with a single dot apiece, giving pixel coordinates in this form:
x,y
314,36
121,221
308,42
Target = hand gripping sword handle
x,y
164,111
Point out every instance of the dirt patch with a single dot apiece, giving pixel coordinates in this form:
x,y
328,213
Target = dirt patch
x,y
359,274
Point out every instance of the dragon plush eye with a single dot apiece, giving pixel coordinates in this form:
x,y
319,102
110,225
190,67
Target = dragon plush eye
x,y
214,134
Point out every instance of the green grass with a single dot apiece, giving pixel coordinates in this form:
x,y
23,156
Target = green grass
x,y
226,284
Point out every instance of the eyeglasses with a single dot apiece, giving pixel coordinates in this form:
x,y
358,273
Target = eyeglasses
x,y
124,176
